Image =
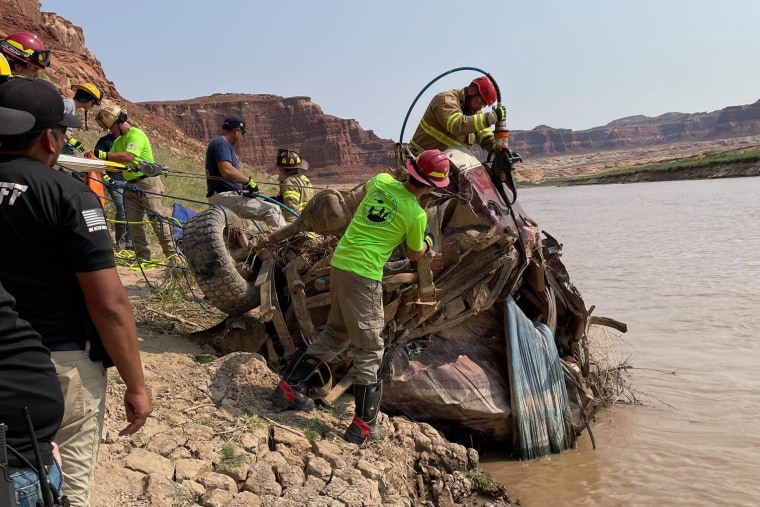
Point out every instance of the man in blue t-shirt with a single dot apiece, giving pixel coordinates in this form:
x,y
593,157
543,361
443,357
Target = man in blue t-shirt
x,y
230,188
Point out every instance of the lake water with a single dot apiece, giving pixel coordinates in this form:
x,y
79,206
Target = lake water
x,y
679,262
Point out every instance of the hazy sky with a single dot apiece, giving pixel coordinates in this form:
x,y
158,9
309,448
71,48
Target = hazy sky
x,y
572,64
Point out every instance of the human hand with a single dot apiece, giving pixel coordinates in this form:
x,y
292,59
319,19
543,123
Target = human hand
x,y
250,189
131,187
76,144
138,407
102,155
500,112
106,179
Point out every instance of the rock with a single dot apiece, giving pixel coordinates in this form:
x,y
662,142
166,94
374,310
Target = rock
x,y
147,462
318,467
165,443
368,470
161,490
262,480
217,498
180,453
256,440
246,499
291,441
193,488
198,432
213,480
289,476
191,468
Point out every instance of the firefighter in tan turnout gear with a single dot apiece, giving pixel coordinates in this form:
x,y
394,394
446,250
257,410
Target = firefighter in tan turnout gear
x,y
453,118
295,187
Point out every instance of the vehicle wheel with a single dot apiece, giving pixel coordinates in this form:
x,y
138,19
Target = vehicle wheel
x,y
207,238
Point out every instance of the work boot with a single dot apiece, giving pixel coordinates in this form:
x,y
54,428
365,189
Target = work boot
x,y
364,426
290,392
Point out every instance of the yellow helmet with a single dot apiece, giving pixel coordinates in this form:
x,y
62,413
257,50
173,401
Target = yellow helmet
x,y
87,91
5,69
109,115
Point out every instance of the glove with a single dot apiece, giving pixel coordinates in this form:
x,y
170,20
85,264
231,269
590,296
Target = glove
x,y
106,179
76,144
102,155
131,187
250,189
428,240
500,112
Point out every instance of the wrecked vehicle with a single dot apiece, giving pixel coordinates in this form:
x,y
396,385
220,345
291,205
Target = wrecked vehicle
x,y
446,359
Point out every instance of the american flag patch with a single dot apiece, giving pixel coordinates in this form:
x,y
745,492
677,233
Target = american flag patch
x,y
95,219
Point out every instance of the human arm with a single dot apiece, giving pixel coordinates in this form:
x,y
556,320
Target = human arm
x,y
111,313
416,246
449,114
231,173
291,197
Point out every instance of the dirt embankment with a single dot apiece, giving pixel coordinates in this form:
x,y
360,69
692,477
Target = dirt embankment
x,y
734,170
215,440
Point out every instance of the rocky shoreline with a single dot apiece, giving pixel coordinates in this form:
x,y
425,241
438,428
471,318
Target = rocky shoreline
x,y
215,440
734,170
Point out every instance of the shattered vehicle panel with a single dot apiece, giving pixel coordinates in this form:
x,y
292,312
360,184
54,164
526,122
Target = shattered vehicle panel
x,y
445,359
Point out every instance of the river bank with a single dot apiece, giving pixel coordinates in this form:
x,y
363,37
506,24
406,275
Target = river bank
x,y
709,171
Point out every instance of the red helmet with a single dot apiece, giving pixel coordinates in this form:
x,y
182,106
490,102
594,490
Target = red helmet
x,y
486,89
431,167
26,47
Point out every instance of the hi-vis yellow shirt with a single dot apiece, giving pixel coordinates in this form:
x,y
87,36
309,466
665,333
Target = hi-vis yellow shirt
x,y
388,215
444,125
135,142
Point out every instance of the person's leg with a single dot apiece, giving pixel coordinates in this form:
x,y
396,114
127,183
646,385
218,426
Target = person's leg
x,y
363,314
154,189
83,383
135,207
290,392
116,191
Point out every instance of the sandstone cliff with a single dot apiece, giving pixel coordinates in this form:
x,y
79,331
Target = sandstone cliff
x,y
337,149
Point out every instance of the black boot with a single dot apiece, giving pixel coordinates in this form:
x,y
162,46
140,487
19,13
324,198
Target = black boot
x,y
364,425
290,392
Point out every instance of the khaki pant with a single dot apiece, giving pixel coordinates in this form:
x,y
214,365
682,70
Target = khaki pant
x,y
83,383
355,322
136,209
250,208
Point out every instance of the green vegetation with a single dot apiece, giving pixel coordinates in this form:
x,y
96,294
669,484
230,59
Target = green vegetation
x,y
482,480
204,358
686,164
230,457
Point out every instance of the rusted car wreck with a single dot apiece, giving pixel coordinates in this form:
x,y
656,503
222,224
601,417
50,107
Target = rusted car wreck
x,y
446,361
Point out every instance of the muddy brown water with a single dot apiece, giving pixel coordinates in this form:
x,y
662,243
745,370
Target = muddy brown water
x,y
679,262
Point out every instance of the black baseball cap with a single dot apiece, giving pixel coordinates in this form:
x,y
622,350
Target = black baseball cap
x,y
234,121
14,122
36,97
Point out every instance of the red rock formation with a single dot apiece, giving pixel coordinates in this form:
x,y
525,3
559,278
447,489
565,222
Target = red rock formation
x,y
337,149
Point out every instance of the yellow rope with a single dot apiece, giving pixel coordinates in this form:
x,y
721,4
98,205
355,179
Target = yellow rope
x,y
128,259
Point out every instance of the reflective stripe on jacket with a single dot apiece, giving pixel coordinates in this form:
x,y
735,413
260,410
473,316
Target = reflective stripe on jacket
x,y
444,125
296,190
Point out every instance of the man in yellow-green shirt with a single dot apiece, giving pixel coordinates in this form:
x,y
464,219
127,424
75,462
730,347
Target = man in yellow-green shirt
x,y
132,146
389,215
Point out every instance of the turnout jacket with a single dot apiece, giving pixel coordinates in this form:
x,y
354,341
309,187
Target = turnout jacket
x,y
295,192
444,125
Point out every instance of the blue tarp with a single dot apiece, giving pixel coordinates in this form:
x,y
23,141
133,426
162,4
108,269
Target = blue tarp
x,y
540,406
182,215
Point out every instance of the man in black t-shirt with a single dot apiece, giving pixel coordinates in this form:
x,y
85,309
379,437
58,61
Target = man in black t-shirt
x,y
58,263
28,379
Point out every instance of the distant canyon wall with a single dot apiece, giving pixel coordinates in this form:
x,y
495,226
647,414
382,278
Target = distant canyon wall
x,y
335,148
